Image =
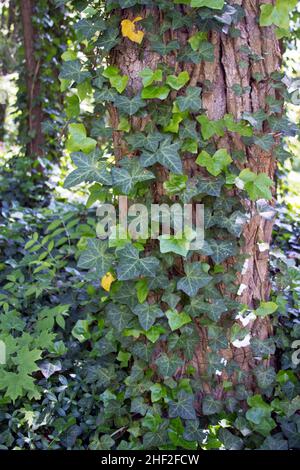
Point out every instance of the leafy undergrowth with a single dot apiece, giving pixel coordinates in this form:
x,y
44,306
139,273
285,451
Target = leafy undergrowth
x,y
66,384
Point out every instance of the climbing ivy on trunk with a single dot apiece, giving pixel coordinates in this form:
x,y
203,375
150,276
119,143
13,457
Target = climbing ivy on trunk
x,y
187,107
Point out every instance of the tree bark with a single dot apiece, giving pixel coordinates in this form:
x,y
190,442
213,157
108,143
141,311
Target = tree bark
x,y
35,112
231,66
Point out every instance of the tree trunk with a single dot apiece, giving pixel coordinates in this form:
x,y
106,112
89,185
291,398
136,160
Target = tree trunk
x,y
35,112
231,67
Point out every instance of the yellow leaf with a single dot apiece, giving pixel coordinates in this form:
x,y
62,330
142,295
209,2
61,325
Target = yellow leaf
x,y
107,281
129,31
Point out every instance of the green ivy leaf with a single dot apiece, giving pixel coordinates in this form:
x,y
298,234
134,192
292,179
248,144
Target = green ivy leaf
x,y
89,169
149,76
167,366
278,14
211,406
215,164
142,290
96,256
117,81
230,441
196,40
216,4
177,320
71,70
256,185
266,308
183,407
210,128
177,82
208,186
129,174
195,279
191,101
171,244
222,249
265,142
147,314
119,316
167,155
175,184
127,105
132,266
78,140
155,92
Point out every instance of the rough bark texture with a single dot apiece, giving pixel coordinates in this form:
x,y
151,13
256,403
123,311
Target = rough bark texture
x,y
35,112
230,67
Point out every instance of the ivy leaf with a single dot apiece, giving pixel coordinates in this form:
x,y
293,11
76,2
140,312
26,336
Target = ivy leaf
x,y
210,187
117,81
206,51
222,249
191,101
183,407
142,290
210,128
192,432
256,185
129,174
197,39
167,155
215,164
265,376
163,49
216,4
175,184
143,350
127,105
149,76
177,82
105,94
234,224
262,348
96,256
213,310
119,316
177,320
167,366
153,91
171,244
211,406
132,266
71,70
89,27
194,280
150,141
108,39
78,140
241,127
266,308
217,338
273,443
147,314
278,14
230,441
89,170
265,142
